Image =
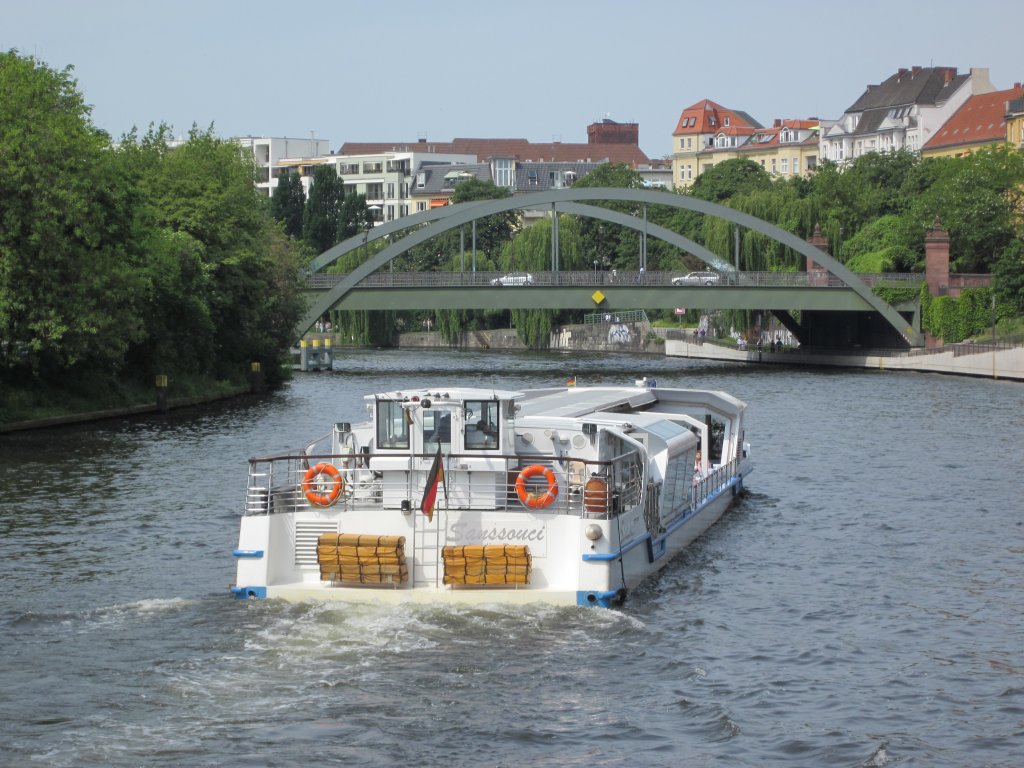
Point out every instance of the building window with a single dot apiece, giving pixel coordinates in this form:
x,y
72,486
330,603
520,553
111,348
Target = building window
x,y
812,162
391,190
421,179
689,143
785,165
681,143
421,206
774,171
725,122
503,173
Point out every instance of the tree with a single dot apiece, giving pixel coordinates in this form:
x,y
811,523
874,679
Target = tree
x,y
222,278
730,178
68,293
979,200
288,203
1008,277
322,217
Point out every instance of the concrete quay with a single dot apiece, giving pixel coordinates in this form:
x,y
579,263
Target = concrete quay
x,y
978,359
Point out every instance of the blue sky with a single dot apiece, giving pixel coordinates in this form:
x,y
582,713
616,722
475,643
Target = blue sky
x,y
394,70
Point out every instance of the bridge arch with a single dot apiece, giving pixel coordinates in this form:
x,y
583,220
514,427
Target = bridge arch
x,y
572,199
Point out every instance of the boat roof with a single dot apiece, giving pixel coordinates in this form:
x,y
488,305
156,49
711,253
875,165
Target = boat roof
x,y
447,394
577,402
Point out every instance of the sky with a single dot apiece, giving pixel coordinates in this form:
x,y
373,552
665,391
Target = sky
x,y
541,70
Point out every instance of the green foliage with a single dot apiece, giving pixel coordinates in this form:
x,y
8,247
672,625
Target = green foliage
x,y
883,245
288,203
120,262
533,326
978,198
1008,276
954,320
322,217
68,237
611,246
892,294
730,178
353,217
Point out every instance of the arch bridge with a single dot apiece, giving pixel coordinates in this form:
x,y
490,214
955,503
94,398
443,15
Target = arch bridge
x,y
825,302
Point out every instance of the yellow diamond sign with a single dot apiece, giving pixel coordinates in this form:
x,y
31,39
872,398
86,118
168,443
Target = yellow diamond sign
x,y
597,296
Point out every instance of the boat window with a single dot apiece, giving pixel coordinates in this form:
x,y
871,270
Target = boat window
x,y
715,439
392,425
437,428
481,425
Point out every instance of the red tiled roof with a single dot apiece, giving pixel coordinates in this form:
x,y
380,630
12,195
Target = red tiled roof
x,y
981,120
708,117
517,149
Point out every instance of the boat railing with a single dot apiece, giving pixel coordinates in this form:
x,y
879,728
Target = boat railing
x,y
511,483
711,482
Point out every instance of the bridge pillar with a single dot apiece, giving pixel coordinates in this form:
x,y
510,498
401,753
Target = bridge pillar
x,y
936,259
817,274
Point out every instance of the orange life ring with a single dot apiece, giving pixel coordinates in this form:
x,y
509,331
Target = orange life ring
x,y
311,484
536,500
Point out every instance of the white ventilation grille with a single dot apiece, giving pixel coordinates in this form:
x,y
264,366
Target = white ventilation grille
x,y
306,534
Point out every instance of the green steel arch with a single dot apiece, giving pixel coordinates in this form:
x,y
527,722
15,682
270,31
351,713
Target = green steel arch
x,y
454,216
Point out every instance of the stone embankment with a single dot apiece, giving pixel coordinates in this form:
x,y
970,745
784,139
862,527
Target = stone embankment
x,y
611,336
976,359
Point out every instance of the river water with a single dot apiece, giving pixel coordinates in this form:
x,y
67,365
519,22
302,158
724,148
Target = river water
x,y
862,605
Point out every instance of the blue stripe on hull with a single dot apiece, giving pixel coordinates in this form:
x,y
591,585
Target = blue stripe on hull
x,y
242,593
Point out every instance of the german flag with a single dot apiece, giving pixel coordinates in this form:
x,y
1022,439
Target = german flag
x,y
434,479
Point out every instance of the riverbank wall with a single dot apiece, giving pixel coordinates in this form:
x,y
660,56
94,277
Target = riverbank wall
x,y
611,336
979,360
118,413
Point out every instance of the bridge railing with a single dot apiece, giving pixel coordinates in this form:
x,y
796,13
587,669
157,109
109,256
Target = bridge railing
x,y
589,278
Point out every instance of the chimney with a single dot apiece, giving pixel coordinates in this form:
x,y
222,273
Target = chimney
x,y
901,72
915,70
777,123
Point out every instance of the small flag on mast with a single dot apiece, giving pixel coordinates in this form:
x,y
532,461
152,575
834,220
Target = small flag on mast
x,y
434,479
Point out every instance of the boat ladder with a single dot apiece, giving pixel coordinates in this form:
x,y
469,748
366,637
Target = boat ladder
x,y
428,539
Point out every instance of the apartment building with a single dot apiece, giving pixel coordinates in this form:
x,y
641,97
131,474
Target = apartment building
x,y
399,178
903,112
269,151
980,122
1015,123
787,148
706,134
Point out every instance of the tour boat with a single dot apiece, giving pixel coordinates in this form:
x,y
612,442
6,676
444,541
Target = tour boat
x,y
569,495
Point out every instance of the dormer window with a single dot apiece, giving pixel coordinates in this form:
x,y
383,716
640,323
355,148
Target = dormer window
x,y
726,122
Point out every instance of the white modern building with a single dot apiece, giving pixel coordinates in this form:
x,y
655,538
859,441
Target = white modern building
x,y
269,151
